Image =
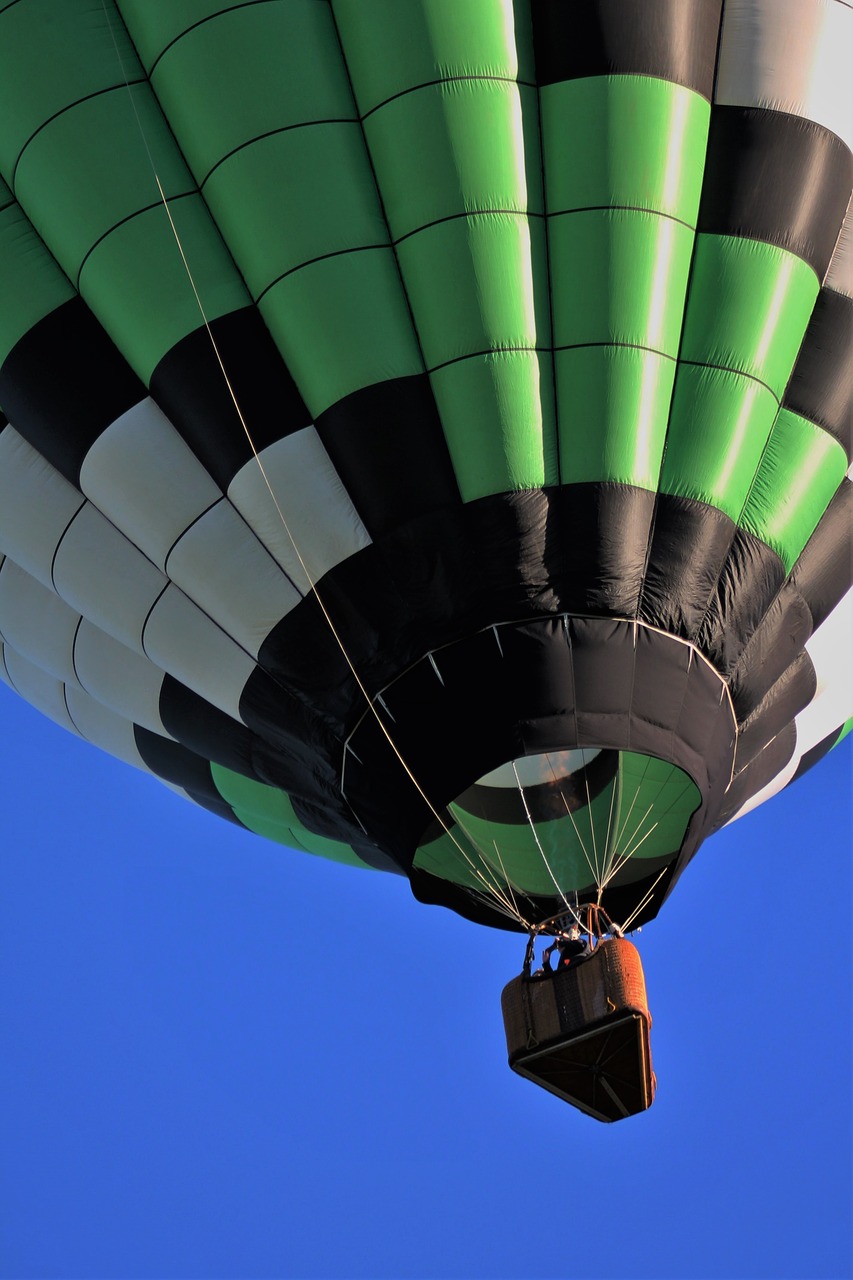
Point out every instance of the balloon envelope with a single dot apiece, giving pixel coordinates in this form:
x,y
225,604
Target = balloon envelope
x,y
428,424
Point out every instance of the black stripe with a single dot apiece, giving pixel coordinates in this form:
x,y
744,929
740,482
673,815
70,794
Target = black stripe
x,y
824,571
63,383
749,581
776,644
204,729
689,546
821,386
761,770
674,40
792,692
388,447
816,753
778,178
192,391
175,764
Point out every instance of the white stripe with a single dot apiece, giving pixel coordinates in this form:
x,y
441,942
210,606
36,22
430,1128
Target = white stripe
x,y
144,477
181,640
104,729
36,505
224,568
789,55
43,691
35,622
316,507
118,678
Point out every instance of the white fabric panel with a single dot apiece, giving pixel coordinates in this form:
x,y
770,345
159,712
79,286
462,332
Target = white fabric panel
x,y
182,640
35,622
221,565
840,274
831,652
120,679
103,575
43,691
318,511
36,505
103,728
789,55
147,480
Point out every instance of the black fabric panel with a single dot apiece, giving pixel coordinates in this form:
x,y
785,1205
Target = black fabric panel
x,y
580,550
597,538
690,542
824,571
761,770
174,763
204,729
749,581
785,700
189,386
220,807
776,177
821,386
63,383
812,757
774,646
673,39
388,447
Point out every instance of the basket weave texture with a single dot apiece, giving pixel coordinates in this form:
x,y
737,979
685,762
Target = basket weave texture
x,y
539,1010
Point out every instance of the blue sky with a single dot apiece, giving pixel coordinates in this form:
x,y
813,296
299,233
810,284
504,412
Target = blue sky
x,y
226,1060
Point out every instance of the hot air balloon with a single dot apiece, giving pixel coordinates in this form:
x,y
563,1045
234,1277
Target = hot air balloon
x,y
427,423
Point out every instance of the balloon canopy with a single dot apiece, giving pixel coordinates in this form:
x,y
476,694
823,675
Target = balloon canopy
x,y
427,422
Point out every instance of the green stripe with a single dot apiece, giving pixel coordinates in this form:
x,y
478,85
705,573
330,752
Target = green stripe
x,y
341,324
31,284
630,141
297,73
845,729
449,149
498,415
614,404
748,307
391,46
269,813
620,276
747,310
800,471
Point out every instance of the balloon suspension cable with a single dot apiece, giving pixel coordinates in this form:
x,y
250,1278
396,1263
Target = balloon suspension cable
x,y
589,918
491,888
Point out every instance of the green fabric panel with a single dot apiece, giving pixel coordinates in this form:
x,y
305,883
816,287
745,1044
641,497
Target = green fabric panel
x,y
614,405
748,308
846,728
268,812
449,149
718,427
342,324
476,284
137,285
633,141
498,416
642,815
62,178
800,471
619,276
390,47
273,224
83,48
31,284
290,50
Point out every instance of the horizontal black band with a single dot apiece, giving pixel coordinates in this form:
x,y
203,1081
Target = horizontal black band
x,y
191,389
674,40
63,383
778,178
821,386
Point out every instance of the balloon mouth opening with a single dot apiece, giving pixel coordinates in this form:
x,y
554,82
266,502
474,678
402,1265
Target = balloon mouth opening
x,y
581,821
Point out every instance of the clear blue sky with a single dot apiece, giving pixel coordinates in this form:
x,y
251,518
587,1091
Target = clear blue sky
x,y
204,1076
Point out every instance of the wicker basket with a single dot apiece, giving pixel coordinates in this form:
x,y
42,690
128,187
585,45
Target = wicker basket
x,y
583,1031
